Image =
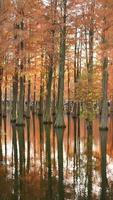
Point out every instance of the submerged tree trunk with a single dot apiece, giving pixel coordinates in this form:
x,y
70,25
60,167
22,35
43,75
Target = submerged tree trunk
x,y
59,122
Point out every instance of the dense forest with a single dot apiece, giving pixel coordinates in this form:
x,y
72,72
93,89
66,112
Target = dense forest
x,y
56,99
56,53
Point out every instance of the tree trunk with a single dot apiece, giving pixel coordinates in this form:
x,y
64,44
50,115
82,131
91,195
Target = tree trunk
x,y
28,100
47,115
104,111
1,76
15,95
59,122
20,118
5,99
34,98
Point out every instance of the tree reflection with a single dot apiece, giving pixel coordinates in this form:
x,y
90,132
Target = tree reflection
x,y
104,182
89,161
68,134
21,142
78,153
34,133
74,159
41,140
59,133
28,145
5,137
1,154
15,153
48,160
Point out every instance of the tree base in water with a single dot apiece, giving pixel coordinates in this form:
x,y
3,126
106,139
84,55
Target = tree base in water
x,y
27,116
103,128
13,121
74,116
68,113
47,122
4,116
39,114
59,124
18,124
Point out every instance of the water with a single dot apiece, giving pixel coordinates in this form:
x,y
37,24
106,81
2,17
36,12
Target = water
x,y
40,163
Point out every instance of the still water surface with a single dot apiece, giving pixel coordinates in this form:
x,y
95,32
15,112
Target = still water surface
x,y
40,163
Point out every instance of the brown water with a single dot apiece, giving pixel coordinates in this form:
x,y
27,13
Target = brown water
x,y
40,163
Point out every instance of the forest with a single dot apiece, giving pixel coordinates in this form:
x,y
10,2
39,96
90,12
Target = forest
x,y
56,99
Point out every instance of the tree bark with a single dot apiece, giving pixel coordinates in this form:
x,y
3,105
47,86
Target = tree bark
x,y
104,111
20,117
59,122
28,100
15,95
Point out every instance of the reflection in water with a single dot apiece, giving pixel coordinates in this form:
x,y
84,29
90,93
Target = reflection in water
x,y
44,163
15,152
21,142
48,161
68,140
41,140
34,130
104,182
74,160
89,161
1,134
5,137
59,133
28,145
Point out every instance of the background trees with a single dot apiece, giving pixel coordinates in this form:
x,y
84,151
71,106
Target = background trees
x,y
53,52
